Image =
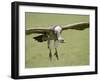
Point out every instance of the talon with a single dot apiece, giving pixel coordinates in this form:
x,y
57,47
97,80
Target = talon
x,y
56,54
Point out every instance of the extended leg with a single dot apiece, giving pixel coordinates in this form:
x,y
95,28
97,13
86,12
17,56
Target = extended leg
x,y
50,54
56,53
49,47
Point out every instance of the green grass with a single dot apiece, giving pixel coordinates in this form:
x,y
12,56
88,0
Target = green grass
x,y
75,50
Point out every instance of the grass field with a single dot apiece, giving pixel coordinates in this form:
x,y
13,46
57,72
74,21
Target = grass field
x,y
75,50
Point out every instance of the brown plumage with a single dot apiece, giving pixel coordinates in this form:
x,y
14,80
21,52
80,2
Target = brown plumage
x,y
54,33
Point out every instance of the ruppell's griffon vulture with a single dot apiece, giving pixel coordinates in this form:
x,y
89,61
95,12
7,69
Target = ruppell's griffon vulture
x,y
54,33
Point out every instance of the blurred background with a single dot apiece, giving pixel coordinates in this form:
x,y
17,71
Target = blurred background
x,y
75,50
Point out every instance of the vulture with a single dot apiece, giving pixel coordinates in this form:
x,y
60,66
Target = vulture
x,y
54,33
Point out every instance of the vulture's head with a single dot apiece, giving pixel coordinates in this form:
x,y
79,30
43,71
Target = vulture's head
x,y
58,30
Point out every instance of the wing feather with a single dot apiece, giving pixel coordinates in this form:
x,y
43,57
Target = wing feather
x,y
37,30
77,26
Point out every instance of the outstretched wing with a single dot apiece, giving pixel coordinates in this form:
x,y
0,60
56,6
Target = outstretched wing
x,y
37,30
76,26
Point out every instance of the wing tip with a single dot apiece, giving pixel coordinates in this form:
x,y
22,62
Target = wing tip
x,y
77,26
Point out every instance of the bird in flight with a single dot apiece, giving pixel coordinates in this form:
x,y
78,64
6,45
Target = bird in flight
x,y
54,33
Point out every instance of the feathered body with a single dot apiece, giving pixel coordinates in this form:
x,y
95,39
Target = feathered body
x,y
54,35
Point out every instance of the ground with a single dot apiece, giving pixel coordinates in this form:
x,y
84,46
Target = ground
x,y
75,50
